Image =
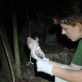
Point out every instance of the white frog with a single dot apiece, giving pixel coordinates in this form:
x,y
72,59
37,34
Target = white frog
x,y
36,51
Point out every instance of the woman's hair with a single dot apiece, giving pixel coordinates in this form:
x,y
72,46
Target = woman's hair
x,y
72,20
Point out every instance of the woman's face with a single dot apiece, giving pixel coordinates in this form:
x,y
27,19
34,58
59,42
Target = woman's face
x,y
72,32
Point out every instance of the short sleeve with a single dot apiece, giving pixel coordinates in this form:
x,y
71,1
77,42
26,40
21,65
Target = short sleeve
x,y
77,59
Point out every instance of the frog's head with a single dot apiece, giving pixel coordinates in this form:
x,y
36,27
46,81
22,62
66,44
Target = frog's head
x,y
32,43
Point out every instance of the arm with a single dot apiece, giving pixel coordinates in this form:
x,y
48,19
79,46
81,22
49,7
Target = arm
x,y
66,72
69,75
64,66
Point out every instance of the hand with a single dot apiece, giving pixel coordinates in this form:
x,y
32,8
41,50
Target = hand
x,y
44,66
36,53
39,52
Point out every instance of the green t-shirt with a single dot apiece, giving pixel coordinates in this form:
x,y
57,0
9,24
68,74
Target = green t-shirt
x,y
77,59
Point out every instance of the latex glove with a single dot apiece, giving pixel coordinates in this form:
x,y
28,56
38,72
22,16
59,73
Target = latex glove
x,y
44,66
45,59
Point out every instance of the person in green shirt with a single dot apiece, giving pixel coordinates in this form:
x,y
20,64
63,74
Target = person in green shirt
x,y
72,28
